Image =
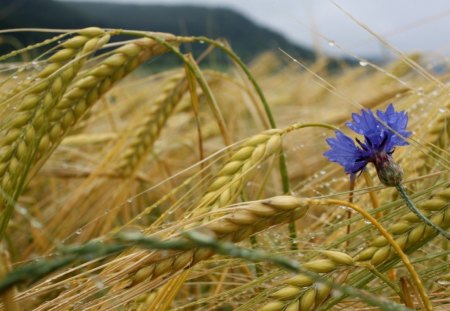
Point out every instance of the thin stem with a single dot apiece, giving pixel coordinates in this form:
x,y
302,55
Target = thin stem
x,y
415,277
254,242
381,276
412,207
290,128
247,72
350,199
373,197
406,295
301,125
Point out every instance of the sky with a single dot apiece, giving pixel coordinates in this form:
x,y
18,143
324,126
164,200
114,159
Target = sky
x,y
408,25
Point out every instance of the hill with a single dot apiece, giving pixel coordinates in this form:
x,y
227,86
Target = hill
x,y
247,38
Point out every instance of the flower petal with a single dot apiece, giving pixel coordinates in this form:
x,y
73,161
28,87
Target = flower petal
x,y
396,121
344,151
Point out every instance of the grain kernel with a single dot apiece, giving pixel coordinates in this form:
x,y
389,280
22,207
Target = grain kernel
x,y
75,42
381,255
283,202
49,69
91,32
115,60
30,101
62,55
272,306
432,204
366,254
416,234
300,281
339,258
293,306
308,299
379,241
242,154
320,265
286,293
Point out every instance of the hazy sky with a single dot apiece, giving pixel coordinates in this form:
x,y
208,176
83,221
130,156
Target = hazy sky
x,y
410,25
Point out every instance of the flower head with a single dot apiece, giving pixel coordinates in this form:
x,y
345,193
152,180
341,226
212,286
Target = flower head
x,y
381,136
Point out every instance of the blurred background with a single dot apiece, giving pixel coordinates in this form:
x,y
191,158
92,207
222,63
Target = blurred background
x,y
303,28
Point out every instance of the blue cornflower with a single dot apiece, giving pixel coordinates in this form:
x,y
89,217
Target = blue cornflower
x,y
381,136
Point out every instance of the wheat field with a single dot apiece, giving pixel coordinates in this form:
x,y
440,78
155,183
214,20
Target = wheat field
x,y
198,189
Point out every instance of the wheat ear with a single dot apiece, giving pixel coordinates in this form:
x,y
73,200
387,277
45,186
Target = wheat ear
x,y
23,137
96,82
150,125
244,220
230,179
302,290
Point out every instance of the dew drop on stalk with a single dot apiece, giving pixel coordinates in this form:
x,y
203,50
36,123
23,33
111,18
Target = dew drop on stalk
x,y
311,236
36,224
331,43
343,207
21,210
336,293
443,282
363,63
78,232
99,285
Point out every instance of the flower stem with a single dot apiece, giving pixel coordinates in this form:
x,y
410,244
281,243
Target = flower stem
x,y
412,207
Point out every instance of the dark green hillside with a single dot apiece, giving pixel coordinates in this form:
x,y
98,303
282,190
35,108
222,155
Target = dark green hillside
x,y
247,38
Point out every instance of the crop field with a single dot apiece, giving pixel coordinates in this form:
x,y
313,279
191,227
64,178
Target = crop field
x,y
193,188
